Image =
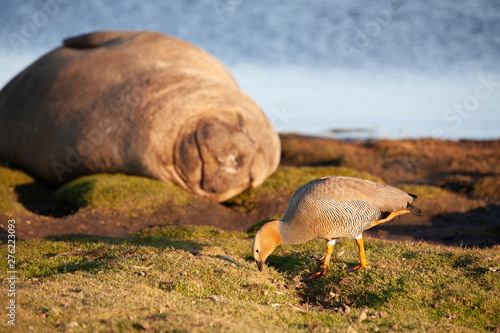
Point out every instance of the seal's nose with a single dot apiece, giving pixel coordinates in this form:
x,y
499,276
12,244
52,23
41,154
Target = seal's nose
x,y
227,155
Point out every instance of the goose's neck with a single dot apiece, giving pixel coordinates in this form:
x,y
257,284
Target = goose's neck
x,y
291,234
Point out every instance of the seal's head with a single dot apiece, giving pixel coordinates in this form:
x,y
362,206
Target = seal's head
x,y
218,159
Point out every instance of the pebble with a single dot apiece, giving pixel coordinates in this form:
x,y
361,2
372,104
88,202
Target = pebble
x,y
216,298
70,325
351,330
362,316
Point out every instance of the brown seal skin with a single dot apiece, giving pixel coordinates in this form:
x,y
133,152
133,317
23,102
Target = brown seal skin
x,y
139,103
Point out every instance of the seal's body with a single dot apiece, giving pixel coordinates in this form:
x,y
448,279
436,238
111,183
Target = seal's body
x,y
138,103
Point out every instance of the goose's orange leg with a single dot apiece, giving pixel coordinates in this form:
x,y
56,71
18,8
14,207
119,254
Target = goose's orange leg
x,y
362,258
388,218
325,267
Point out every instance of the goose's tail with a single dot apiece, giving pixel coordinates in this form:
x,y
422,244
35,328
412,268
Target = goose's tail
x,y
414,210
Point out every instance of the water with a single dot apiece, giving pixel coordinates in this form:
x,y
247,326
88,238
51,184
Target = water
x,y
391,69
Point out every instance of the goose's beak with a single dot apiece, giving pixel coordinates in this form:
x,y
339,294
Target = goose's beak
x,y
260,264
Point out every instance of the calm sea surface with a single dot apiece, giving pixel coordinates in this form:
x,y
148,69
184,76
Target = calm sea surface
x,y
348,69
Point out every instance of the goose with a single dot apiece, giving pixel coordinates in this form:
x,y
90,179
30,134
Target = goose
x,y
332,207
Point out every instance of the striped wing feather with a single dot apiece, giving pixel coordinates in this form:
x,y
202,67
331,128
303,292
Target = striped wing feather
x,y
383,197
334,207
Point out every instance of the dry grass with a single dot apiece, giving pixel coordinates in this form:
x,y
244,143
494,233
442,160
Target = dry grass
x,y
201,279
488,187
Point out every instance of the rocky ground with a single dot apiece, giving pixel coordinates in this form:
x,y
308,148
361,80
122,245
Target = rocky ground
x,y
458,184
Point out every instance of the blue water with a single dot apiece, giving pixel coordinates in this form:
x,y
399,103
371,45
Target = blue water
x,y
393,69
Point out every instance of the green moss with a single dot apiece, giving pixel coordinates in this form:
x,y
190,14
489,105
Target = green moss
x,y
118,192
123,192
11,176
9,180
102,191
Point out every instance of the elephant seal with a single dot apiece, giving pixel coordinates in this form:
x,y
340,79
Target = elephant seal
x,y
136,102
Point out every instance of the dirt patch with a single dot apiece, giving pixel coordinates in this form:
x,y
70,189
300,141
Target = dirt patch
x,y
91,222
425,161
469,216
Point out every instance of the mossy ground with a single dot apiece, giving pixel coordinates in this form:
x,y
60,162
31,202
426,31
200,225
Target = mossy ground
x,y
118,192
187,278
202,279
405,163
10,180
